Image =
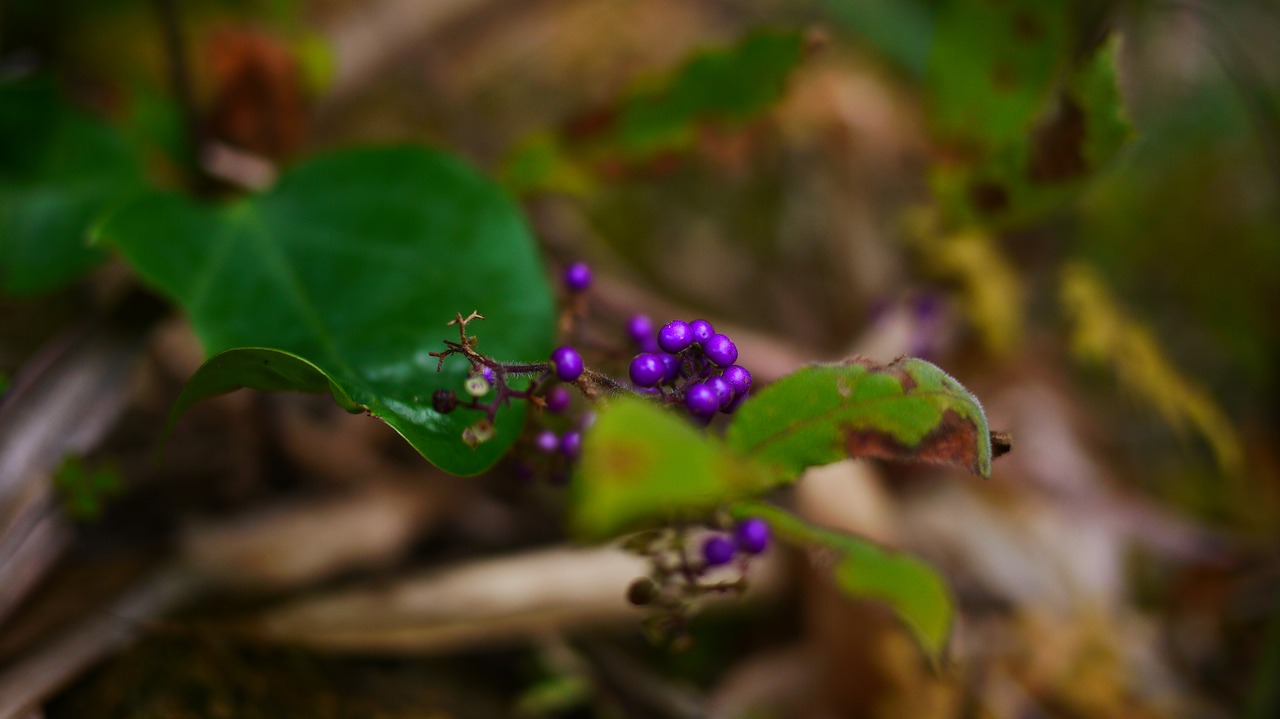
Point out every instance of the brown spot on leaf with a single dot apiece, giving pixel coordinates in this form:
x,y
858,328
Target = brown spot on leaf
x,y
591,124
1028,28
624,461
1004,76
904,378
988,197
1057,145
953,442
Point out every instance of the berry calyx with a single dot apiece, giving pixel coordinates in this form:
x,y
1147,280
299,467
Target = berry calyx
x,y
567,362
647,370
702,331
642,592
481,431
477,386
557,399
547,441
751,535
701,400
577,277
675,336
444,401
718,551
721,350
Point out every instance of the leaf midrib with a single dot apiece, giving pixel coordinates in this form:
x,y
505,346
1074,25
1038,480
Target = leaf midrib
x,y
246,219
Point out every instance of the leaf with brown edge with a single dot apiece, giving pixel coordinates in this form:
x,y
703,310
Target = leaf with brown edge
x,y
907,411
642,464
861,569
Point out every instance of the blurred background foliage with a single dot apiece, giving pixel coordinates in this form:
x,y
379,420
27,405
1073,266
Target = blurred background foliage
x,y
1072,206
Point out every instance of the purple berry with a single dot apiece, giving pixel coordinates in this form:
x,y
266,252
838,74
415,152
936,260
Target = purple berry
x,y
557,399
738,377
723,390
577,277
702,331
670,368
928,308
718,551
547,441
646,370
571,444
751,535
721,350
701,400
675,336
568,363
640,330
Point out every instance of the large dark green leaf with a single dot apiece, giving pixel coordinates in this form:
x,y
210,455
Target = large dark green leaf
x,y
344,275
915,592
641,464
908,410
59,170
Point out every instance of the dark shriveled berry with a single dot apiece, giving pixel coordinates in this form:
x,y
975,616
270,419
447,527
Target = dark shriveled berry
x,y
642,592
444,401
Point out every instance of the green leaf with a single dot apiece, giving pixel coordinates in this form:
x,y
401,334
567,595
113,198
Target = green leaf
x,y
343,277
723,84
641,463
909,410
1023,181
59,171
85,491
899,30
993,66
1095,88
862,569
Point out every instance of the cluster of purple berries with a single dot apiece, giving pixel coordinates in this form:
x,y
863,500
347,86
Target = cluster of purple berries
x,y
749,537
692,361
547,441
